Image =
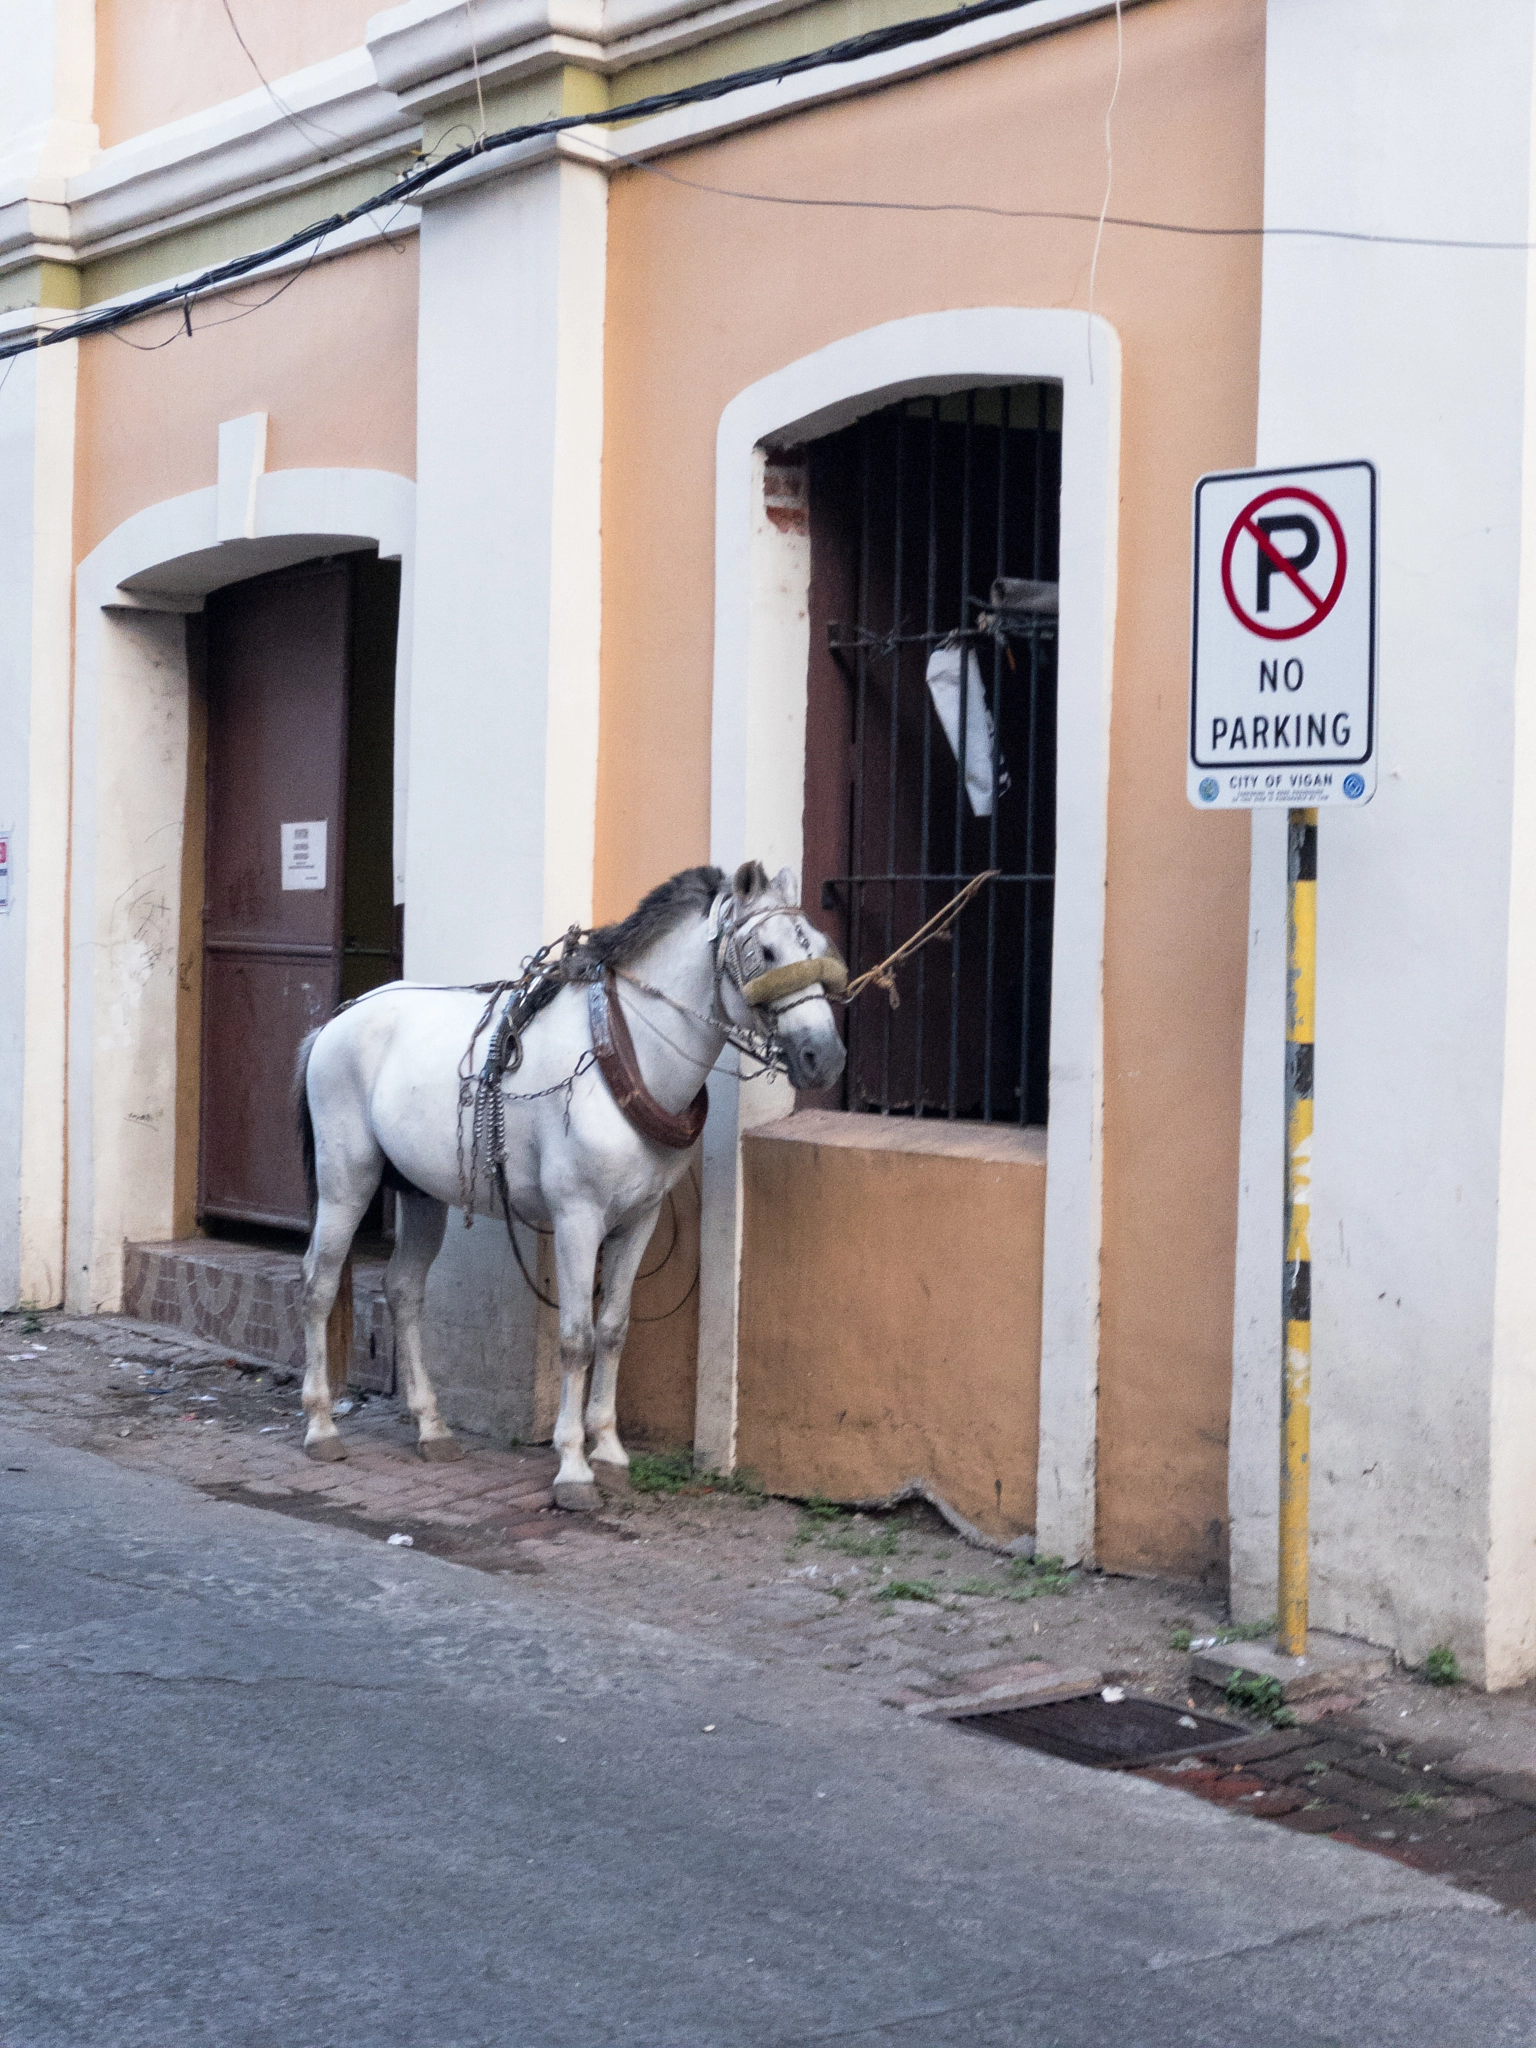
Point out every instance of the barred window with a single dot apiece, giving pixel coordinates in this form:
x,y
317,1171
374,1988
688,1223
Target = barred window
x,y
931,739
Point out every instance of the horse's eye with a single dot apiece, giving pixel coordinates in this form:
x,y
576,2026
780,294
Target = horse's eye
x,y
769,955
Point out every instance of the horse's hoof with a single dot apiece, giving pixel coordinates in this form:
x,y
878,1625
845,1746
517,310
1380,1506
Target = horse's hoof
x,y
610,1478
326,1450
577,1499
439,1450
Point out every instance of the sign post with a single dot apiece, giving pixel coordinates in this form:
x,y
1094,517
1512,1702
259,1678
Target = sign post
x,y
1296,1277
1282,711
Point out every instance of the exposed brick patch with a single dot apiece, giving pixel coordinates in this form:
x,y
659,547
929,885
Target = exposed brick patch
x,y
786,491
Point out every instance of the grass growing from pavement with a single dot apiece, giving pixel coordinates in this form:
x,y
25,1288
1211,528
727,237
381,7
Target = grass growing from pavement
x,y
1440,1666
673,1471
908,1589
1251,1692
1026,1579
1183,1636
850,1543
1247,1631
824,1523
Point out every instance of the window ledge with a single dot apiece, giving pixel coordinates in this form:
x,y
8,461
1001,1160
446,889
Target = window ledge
x,y
1001,1144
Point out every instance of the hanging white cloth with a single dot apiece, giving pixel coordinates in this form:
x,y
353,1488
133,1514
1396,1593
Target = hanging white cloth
x,y
944,669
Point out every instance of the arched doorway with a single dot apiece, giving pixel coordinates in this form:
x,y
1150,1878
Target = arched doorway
x,y
298,911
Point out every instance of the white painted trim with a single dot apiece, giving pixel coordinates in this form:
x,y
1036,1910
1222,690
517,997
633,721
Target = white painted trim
x,y
227,158
754,105
423,51
512,293
37,437
757,774
242,459
130,691
217,161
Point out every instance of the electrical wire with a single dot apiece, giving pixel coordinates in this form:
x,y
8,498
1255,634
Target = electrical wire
x,y
873,43
1109,173
850,50
308,129
1061,213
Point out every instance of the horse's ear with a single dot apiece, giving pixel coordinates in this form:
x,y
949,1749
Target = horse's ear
x,y
786,885
750,880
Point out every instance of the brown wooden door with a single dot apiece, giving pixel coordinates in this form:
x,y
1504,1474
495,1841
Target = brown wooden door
x,y
297,895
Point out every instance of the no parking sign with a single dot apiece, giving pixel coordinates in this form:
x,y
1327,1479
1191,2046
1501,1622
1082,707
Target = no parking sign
x,y
1282,700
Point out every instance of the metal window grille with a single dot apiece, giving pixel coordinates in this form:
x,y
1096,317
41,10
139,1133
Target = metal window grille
x,y
934,530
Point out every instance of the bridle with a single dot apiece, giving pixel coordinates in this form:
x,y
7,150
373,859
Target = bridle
x,y
769,992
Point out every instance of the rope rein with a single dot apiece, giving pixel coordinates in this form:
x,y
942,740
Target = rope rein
x,y
883,973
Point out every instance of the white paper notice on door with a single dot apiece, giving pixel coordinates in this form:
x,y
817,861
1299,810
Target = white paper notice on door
x,y
304,855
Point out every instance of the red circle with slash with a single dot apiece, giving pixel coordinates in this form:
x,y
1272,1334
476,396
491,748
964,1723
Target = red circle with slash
x,y
1322,605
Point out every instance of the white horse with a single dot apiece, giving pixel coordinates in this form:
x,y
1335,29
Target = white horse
x,y
380,1093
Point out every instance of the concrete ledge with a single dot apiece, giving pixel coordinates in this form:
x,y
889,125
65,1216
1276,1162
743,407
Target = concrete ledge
x,y
1332,1664
932,1137
1007,1685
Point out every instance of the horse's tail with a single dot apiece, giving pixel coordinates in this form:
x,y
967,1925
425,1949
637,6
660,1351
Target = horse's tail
x,y
302,1117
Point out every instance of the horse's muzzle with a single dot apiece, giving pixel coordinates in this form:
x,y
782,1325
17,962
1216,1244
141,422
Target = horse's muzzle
x,y
815,1058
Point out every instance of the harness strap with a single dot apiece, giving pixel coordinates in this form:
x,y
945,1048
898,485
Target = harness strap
x,y
615,1052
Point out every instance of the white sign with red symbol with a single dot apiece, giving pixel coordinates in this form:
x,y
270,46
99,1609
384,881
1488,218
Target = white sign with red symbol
x,y
5,868
1282,690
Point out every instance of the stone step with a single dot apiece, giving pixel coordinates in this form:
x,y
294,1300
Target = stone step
x,y
247,1297
1333,1664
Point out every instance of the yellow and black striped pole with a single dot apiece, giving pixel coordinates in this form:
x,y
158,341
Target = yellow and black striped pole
x,y
1296,1382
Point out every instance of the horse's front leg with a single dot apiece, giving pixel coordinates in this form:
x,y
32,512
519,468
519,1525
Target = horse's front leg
x,y
622,1253
578,1234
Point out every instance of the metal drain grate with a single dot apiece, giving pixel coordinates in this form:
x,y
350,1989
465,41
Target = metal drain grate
x,y
1120,1734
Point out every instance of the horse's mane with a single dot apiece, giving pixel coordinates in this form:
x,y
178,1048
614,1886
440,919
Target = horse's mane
x,y
684,895
688,894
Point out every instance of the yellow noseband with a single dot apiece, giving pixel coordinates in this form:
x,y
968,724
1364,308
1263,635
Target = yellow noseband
x,y
775,983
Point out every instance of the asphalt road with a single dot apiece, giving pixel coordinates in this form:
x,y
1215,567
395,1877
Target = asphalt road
x,y
273,1785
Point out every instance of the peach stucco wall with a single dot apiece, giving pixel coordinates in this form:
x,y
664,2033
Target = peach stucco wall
x,y
890,1311
708,293
155,64
332,363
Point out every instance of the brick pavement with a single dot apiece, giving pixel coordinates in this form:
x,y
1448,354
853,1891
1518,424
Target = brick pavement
x,y
486,1510
1410,1801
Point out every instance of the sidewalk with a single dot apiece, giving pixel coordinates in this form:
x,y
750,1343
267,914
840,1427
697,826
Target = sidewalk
x,y
884,1606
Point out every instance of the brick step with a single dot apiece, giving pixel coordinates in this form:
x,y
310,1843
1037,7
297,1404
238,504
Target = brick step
x,y
247,1297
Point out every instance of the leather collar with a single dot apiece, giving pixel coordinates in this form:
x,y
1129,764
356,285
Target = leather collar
x,y
615,1052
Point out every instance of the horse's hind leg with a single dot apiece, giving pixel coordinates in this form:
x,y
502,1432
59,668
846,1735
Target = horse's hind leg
x,y
622,1253
419,1229
337,1216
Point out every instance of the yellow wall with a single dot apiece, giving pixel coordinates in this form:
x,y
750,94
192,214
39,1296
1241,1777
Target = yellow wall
x,y
890,1311
657,1382
708,293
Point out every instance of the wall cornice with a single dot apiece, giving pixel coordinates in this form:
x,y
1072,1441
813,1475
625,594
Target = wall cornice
x,y
366,106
